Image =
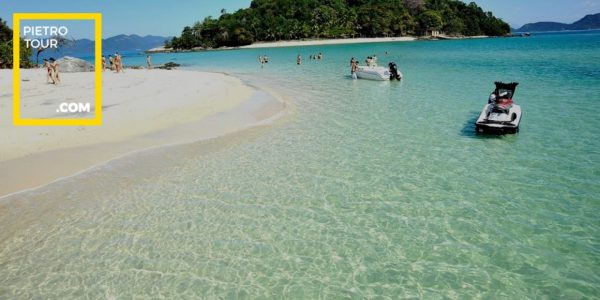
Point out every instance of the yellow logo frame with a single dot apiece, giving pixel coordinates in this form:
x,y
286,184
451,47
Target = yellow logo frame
x,y
17,18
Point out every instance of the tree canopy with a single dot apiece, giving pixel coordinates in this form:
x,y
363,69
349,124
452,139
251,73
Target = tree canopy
x,y
6,48
271,20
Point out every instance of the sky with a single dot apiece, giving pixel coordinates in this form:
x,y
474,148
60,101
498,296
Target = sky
x,y
168,17
520,12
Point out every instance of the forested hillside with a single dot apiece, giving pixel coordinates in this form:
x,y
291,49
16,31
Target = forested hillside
x,y
270,20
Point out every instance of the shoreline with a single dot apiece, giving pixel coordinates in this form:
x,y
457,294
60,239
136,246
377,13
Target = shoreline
x,y
293,43
319,42
324,42
209,113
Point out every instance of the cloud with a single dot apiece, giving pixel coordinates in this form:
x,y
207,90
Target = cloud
x,y
591,4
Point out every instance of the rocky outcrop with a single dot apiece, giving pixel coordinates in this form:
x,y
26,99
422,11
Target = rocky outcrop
x,y
168,66
70,64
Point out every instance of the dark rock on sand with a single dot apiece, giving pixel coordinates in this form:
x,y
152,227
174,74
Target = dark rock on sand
x,y
168,66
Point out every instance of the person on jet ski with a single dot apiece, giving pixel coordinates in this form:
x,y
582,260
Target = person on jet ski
x,y
504,98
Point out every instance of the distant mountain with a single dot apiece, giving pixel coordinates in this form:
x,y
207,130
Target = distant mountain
x,y
121,43
132,43
587,23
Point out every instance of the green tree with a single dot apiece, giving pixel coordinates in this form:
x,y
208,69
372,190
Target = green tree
x,y
268,20
430,20
6,49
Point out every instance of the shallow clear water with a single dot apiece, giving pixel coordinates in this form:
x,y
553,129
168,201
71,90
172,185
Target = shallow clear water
x,y
364,189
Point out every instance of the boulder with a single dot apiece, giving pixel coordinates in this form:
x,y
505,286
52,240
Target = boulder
x,y
168,66
70,64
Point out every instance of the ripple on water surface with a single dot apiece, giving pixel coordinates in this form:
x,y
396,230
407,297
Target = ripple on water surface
x,y
369,189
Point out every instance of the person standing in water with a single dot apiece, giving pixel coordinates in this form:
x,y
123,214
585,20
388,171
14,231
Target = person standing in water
x,y
299,60
353,67
149,62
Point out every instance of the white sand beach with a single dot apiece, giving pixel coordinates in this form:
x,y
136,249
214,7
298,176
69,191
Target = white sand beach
x,y
141,109
279,44
329,42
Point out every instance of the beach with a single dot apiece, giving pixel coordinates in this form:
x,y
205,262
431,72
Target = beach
x,y
328,42
297,43
141,109
320,42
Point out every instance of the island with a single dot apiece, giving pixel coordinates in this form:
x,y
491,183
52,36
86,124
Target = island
x,y
280,20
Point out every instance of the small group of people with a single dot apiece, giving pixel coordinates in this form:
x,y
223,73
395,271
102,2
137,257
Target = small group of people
x,y
263,59
371,61
52,71
116,63
311,57
316,57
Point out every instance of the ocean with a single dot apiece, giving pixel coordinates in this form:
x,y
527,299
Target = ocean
x,y
361,190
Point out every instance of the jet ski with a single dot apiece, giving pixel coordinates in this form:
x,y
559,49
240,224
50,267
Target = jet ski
x,y
501,114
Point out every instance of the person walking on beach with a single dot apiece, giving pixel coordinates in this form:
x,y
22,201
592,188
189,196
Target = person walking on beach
x,y
299,60
103,63
149,62
49,72
118,62
55,70
111,60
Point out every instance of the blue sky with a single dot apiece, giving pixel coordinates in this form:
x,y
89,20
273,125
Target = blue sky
x,y
164,18
521,12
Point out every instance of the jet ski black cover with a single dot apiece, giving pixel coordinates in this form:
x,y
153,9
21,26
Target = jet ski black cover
x,y
510,87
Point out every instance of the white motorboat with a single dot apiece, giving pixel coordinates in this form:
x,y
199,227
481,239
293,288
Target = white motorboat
x,y
500,115
373,73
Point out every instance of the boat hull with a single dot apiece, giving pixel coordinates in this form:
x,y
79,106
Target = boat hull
x,y
373,73
505,122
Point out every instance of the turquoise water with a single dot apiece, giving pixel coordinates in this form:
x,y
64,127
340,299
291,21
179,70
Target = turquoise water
x,y
363,190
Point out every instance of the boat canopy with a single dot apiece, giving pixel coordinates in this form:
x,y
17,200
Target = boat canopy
x,y
505,90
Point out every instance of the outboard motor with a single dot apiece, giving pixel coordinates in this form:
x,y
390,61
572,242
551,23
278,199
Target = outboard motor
x,y
394,74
